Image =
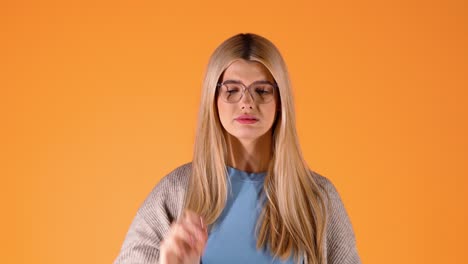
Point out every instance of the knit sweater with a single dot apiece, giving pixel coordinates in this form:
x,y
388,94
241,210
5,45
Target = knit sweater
x,y
165,203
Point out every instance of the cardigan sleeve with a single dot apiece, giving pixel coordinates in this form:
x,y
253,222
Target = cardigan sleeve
x,y
340,239
153,219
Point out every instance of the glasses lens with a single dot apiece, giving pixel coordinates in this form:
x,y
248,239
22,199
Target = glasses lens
x,y
260,92
263,92
231,92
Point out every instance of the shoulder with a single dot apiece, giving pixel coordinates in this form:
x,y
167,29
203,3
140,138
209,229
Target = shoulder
x,y
335,206
326,186
174,182
154,217
176,179
167,196
341,241
332,198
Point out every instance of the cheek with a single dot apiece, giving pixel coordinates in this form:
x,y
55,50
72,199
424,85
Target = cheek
x,y
271,111
222,110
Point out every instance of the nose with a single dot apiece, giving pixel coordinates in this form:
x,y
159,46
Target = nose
x,y
246,100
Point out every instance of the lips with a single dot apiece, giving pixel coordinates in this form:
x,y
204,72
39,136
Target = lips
x,y
246,119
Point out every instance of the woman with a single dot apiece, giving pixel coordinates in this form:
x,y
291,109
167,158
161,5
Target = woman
x,y
248,195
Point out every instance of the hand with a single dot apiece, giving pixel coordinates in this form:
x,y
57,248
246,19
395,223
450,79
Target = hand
x,y
186,240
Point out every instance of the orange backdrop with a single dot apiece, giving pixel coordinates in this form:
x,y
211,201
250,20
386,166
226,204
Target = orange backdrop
x,y
99,100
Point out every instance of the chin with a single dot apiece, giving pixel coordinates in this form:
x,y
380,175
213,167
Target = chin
x,y
247,135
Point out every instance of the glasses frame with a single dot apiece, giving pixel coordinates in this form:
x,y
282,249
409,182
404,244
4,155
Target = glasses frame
x,y
245,88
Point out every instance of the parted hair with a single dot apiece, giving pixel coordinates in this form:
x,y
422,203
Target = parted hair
x,y
293,220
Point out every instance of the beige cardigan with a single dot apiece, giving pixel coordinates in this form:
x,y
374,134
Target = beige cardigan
x,y
165,202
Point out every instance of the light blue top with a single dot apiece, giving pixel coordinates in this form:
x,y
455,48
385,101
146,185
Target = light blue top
x,y
233,239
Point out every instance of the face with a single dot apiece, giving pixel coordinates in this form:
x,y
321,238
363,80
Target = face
x,y
248,119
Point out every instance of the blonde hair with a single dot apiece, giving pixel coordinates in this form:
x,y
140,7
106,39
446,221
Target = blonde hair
x,y
293,219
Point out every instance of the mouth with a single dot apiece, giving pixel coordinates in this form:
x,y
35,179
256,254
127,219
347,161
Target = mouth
x,y
246,120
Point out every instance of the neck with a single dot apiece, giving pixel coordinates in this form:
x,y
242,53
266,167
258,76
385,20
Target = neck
x,y
249,155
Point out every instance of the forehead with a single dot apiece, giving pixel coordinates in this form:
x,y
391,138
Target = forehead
x,y
247,71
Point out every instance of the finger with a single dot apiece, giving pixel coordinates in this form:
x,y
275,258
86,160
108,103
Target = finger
x,y
180,240
195,222
172,258
185,234
196,226
171,251
193,218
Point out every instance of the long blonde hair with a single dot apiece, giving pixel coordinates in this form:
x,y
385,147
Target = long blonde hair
x,y
293,220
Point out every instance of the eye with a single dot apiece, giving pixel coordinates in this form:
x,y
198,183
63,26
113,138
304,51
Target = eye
x,y
263,89
232,88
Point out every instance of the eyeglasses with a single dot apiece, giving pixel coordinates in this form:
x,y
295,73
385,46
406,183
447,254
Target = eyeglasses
x,y
261,92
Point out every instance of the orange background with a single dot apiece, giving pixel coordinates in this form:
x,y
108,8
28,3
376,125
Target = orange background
x,y
99,100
